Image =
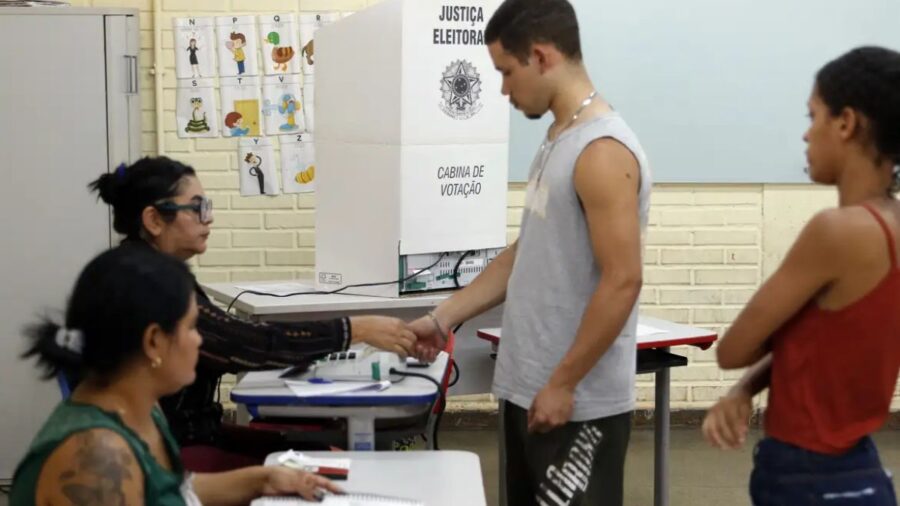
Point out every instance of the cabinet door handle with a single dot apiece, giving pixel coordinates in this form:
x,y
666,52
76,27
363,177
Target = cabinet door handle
x,y
132,71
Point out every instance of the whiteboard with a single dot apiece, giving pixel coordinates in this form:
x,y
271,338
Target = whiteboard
x,y
716,90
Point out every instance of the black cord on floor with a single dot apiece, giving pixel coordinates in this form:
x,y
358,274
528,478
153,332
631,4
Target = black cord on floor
x,y
441,399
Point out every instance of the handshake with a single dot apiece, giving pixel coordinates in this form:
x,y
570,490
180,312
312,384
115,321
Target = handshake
x,y
422,338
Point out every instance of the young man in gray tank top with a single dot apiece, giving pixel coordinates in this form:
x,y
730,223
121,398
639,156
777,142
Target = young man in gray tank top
x,y
566,367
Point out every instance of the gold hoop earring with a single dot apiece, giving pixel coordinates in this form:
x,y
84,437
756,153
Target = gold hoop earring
x,y
155,363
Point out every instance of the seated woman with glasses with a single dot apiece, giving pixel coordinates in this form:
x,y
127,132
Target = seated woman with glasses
x,y
130,332
160,203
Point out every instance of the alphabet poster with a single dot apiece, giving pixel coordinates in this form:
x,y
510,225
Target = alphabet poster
x,y
195,108
282,104
240,106
298,163
237,42
256,163
309,94
195,47
278,33
309,23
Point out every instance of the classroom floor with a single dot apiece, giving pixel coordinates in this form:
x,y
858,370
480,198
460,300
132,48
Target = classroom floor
x,y
699,473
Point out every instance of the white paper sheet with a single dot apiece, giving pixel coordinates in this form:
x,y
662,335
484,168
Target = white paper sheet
x,y
307,389
282,106
195,108
339,500
238,45
298,163
647,330
195,47
256,163
278,34
241,115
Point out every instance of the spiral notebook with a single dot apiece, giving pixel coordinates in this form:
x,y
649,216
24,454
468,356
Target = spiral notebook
x,y
349,499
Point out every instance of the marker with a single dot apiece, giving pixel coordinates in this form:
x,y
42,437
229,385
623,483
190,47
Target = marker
x,y
319,381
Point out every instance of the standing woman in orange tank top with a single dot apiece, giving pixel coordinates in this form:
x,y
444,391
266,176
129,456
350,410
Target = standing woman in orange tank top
x,y
823,333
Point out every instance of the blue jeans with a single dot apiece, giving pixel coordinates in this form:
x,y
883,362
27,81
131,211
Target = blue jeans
x,y
785,475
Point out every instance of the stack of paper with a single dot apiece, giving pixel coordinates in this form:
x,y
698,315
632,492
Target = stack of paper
x,y
306,389
341,500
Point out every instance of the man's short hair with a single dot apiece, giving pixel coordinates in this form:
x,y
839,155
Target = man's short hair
x,y
518,24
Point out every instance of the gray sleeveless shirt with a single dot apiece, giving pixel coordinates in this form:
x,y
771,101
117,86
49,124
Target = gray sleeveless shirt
x,y
554,277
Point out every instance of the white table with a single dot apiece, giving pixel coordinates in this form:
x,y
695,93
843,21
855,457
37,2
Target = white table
x,y
653,356
472,360
406,398
444,478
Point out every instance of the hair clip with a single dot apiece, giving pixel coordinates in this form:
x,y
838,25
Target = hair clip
x,y
70,339
120,171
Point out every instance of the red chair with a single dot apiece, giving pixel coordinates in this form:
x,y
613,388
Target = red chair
x,y
210,459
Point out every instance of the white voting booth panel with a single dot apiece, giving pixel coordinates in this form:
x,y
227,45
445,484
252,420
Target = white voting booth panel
x,y
454,197
411,139
386,202
386,74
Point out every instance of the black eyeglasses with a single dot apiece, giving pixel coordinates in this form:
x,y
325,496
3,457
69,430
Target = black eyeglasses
x,y
200,205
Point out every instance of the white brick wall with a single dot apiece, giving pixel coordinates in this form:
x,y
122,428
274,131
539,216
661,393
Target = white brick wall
x,y
704,251
707,245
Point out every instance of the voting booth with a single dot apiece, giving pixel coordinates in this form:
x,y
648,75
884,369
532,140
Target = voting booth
x,y
412,148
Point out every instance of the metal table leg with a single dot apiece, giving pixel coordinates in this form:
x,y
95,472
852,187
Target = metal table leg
x,y
361,433
661,439
502,459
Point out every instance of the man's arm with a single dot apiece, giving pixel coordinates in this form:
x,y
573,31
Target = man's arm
x,y
486,291
607,180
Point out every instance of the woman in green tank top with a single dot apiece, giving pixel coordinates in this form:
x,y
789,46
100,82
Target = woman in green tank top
x,y
130,333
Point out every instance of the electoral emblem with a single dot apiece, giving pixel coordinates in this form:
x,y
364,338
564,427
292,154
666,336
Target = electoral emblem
x,y
460,88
